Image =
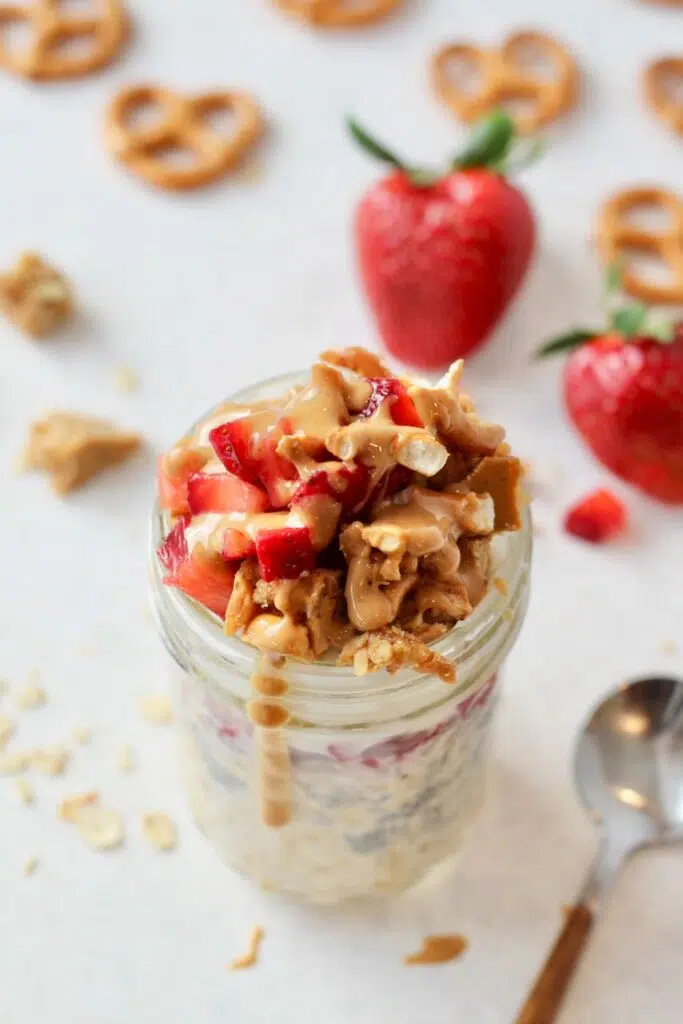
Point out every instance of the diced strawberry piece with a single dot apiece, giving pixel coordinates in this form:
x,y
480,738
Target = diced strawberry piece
x,y
230,442
223,492
206,578
596,518
285,554
174,549
347,485
277,474
173,472
402,407
237,545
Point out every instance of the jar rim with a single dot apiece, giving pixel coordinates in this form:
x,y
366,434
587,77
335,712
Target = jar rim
x,y
457,643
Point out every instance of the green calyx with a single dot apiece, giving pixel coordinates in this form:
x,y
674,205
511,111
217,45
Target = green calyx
x,y
628,319
493,143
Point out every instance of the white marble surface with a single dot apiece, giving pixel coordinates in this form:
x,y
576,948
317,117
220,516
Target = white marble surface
x,y
205,293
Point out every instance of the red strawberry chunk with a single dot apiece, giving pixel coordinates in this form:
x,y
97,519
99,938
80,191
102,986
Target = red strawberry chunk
x,y
173,472
276,473
230,442
174,549
285,554
402,407
596,518
223,492
237,545
205,578
346,484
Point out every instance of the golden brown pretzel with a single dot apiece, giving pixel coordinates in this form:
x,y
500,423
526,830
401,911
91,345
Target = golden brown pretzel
x,y
617,234
504,77
44,58
658,79
338,13
181,125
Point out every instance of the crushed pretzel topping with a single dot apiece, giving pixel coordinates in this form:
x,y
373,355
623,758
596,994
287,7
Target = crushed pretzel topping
x,y
102,829
24,791
391,650
35,296
438,949
156,708
73,448
32,696
30,865
359,360
250,958
71,807
50,760
159,830
80,735
14,762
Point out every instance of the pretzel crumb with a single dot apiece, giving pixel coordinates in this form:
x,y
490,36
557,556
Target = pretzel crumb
x,y
156,708
71,807
15,762
159,830
501,585
393,649
31,697
24,791
102,829
30,865
250,958
438,949
50,760
35,296
126,379
6,729
72,448
80,735
124,758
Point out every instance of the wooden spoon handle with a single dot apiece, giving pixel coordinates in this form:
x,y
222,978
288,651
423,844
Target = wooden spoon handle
x,y
551,984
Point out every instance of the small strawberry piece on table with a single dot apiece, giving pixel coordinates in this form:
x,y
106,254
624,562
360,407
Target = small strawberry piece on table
x,y
223,492
173,472
173,551
401,406
597,518
285,554
206,578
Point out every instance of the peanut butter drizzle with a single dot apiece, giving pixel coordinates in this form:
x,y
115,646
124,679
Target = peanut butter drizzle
x,y
269,717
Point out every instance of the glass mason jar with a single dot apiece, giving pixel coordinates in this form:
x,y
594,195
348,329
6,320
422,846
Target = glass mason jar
x,y
383,774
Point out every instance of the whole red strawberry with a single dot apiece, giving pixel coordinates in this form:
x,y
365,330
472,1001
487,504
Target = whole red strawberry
x,y
623,389
441,256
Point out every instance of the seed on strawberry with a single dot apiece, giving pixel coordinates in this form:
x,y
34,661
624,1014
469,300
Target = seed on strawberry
x,y
173,551
285,554
597,518
206,578
401,405
223,492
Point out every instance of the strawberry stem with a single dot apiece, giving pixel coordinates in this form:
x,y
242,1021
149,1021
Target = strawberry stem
x,y
419,176
488,143
566,342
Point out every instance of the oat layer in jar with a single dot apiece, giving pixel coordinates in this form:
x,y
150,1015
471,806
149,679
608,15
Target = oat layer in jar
x,y
351,766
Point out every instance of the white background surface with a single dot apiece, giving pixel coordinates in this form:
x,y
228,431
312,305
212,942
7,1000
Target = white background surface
x,y
206,293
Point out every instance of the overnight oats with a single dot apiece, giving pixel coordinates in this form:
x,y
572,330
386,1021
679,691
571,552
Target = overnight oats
x,y
340,565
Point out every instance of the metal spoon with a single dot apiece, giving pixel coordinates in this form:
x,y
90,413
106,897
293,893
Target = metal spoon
x,y
628,767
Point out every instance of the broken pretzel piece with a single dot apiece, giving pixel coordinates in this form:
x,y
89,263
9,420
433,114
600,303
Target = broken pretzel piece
x,y
35,296
73,448
499,476
391,650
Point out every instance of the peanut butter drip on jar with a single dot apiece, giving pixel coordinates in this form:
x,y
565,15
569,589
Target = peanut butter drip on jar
x,y
269,717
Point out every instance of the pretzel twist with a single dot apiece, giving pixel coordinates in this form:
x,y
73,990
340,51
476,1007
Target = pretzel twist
x,y
503,77
44,58
181,124
617,234
657,80
338,13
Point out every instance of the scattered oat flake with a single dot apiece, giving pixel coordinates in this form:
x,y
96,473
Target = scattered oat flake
x,y
438,949
50,760
250,958
14,762
72,806
159,830
24,790
101,829
81,735
668,647
157,708
6,729
126,379
30,865
32,696
124,758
